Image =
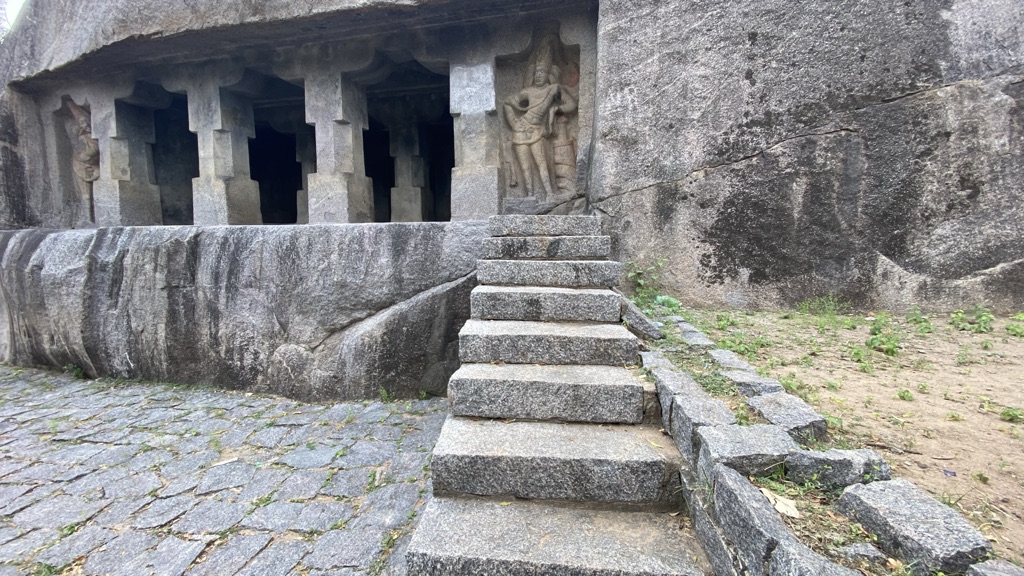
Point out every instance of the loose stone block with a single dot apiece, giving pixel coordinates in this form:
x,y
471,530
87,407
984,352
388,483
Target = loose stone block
x,y
547,343
562,273
836,468
995,568
547,248
525,225
790,558
862,553
535,303
792,414
638,323
746,518
671,382
750,384
749,449
728,360
537,392
915,527
697,340
691,412
541,460
652,360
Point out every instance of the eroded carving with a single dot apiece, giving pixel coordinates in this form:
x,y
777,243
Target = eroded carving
x,y
542,121
85,161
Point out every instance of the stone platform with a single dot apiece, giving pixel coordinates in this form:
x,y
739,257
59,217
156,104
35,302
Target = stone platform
x,y
128,478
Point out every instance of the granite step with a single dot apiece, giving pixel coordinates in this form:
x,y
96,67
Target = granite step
x,y
536,303
514,342
561,273
471,536
536,392
633,464
526,225
548,248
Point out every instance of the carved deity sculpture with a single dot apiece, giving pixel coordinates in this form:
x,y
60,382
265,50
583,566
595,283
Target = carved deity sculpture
x,y
539,118
85,162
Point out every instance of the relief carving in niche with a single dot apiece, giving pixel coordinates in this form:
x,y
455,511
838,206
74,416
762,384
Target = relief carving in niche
x,y
85,159
542,128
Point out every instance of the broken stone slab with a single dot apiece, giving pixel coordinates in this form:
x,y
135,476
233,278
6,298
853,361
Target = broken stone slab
x,y
638,322
750,384
655,359
862,553
547,248
995,568
791,558
522,538
914,527
728,360
751,450
537,392
698,504
792,414
560,273
549,461
536,303
690,412
526,225
832,469
697,340
485,341
671,382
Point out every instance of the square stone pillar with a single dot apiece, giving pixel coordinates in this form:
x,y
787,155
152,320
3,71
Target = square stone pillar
x,y
476,176
339,190
305,154
125,193
223,193
410,199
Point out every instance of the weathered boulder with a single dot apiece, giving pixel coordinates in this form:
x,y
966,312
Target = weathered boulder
x,y
308,311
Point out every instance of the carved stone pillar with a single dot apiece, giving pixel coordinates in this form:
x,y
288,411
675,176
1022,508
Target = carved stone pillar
x,y
305,154
339,190
410,198
125,192
475,178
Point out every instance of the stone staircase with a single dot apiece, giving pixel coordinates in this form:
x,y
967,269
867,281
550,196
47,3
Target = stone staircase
x,y
545,465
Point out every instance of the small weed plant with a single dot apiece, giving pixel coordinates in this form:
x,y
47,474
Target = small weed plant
x,y
645,281
1012,415
1016,329
883,336
920,321
978,320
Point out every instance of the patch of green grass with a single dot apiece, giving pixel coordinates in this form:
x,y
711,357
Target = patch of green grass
x,y
1015,329
45,570
796,386
883,336
744,344
75,370
1012,415
978,320
828,305
905,395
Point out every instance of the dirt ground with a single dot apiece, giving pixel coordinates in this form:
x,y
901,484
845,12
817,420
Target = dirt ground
x,y
946,408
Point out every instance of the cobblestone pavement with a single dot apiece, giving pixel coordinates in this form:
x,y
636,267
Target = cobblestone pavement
x,y
100,477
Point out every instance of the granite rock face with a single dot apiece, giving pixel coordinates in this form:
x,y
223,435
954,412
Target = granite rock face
x,y
854,147
310,311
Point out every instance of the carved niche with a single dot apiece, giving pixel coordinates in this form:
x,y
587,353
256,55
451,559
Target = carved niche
x,y
85,159
541,127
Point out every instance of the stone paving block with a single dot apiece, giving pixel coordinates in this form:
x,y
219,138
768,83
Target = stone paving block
x,y
231,556
366,453
116,557
133,486
347,483
862,553
302,485
557,273
346,548
485,341
750,450
265,481
119,512
539,303
836,468
275,517
20,548
180,485
230,475
162,511
729,360
696,339
792,414
268,437
11,492
29,498
915,527
655,359
316,456
669,383
58,512
750,384
638,323
690,412
76,545
279,558
322,516
995,568
547,247
210,517
388,507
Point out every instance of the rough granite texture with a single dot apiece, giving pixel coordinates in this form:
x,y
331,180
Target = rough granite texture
x,y
520,538
542,460
537,392
915,527
750,449
563,273
995,568
729,360
331,311
547,248
547,343
638,322
545,304
865,148
689,413
520,225
750,384
792,414
836,468
746,518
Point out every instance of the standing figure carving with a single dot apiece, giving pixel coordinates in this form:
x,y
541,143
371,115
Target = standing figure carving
x,y
85,160
544,150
